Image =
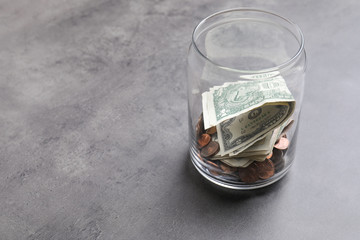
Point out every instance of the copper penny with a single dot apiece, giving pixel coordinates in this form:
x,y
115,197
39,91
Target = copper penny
x,y
278,160
277,156
210,150
282,144
249,174
211,130
213,168
227,169
265,169
204,140
199,128
280,166
212,163
269,156
214,172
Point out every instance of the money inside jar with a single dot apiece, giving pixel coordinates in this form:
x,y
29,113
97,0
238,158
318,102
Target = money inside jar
x,y
242,130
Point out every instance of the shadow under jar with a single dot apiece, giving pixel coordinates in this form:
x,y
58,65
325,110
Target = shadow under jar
x,y
247,49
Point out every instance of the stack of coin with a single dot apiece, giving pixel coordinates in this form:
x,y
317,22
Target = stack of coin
x,y
257,170
205,144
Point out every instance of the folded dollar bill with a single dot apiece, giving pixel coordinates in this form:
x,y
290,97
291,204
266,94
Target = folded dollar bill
x,y
246,111
244,162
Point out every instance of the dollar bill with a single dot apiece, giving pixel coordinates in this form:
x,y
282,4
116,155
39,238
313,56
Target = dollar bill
x,y
263,149
244,112
236,134
231,99
259,147
244,162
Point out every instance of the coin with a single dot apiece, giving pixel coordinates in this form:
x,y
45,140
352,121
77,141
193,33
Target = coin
x,y
249,174
278,160
277,156
227,169
211,130
280,166
265,169
203,140
213,168
214,172
199,128
211,149
212,163
269,156
282,144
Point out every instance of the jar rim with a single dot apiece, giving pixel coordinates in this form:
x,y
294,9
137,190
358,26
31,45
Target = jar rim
x,y
265,70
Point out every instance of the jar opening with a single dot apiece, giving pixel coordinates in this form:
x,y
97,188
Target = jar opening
x,y
249,41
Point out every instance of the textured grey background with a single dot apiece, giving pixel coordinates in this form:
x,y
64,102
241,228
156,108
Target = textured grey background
x,y
93,126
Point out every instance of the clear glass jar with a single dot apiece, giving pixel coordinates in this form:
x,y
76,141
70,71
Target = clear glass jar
x,y
242,48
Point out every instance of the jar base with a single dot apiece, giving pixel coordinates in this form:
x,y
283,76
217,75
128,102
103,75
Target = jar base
x,y
223,182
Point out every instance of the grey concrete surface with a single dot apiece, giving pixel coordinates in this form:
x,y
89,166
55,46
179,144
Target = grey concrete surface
x,y
93,126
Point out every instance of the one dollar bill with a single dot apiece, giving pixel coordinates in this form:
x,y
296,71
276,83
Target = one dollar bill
x,y
231,99
244,112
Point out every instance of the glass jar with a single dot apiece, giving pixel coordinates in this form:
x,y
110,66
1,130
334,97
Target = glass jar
x,y
246,70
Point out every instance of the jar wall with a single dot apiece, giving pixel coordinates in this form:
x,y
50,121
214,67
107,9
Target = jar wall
x,y
222,51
